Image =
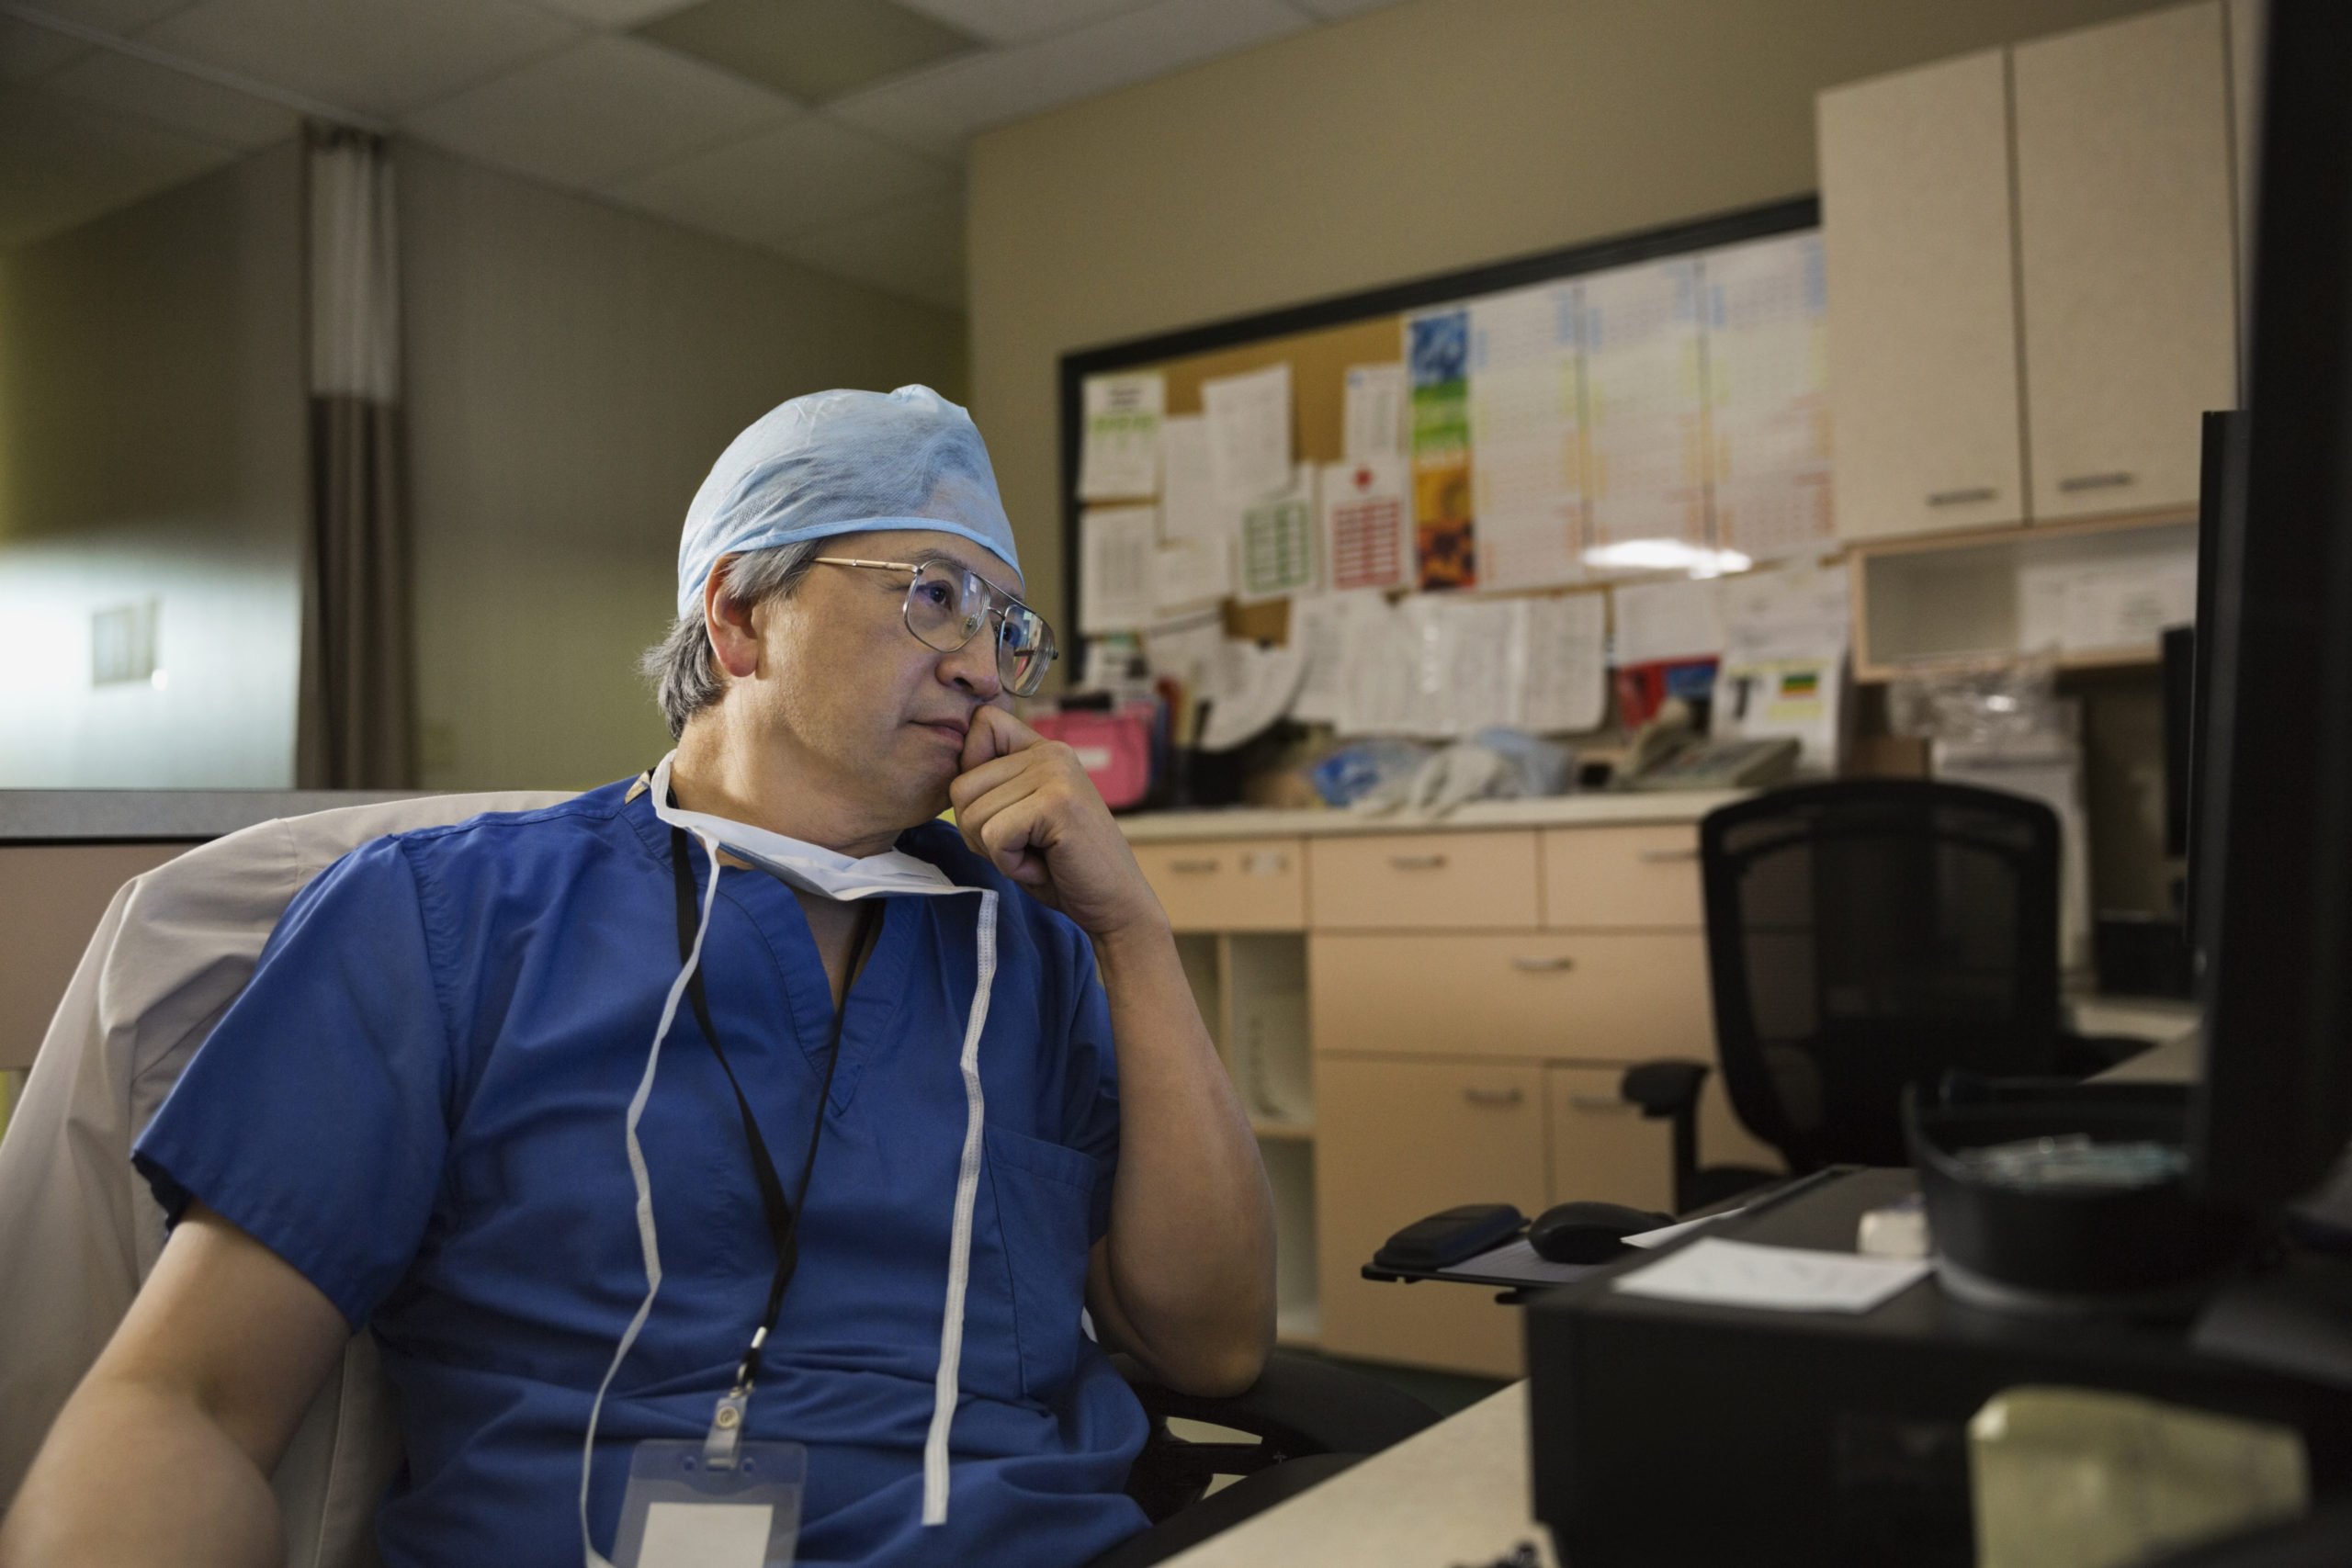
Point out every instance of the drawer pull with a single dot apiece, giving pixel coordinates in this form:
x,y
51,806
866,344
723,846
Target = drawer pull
x,y
1542,962
1264,862
1190,867
1478,1095
1613,1104
2094,481
1966,497
1659,857
1416,863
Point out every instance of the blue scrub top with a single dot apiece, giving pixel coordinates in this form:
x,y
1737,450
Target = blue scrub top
x,y
418,1103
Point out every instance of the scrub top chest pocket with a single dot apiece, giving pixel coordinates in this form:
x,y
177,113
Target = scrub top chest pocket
x,y
1044,1196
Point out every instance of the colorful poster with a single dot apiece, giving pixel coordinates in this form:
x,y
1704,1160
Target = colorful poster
x,y
1437,368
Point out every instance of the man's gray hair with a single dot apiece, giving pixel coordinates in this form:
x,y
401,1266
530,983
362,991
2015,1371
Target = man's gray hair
x,y
682,666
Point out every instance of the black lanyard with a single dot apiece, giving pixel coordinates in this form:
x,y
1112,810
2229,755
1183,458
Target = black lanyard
x,y
783,1219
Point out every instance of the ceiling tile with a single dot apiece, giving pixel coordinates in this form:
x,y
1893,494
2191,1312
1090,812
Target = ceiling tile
x,y
69,163
783,183
176,101
915,249
814,50
617,13
377,57
1333,10
603,109
937,110
113,16
1017,21
26,51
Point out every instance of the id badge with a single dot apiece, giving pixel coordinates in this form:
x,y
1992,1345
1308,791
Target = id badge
x,y
680,1512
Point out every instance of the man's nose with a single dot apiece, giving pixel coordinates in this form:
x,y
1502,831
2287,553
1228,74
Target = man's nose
x,y
972,668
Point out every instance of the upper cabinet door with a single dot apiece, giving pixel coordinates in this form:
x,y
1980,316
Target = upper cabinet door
x,y
1923,370
2126,254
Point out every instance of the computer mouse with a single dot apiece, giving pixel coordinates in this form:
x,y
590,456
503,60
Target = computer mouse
x,y
1589,1232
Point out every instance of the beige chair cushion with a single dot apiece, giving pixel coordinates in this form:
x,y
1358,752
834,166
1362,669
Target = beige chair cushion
x,y
78,1228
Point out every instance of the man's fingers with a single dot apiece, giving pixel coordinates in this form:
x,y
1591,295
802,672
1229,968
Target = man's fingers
x,y
995,733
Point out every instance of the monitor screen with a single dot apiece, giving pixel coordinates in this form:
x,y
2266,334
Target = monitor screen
x,y
2272,862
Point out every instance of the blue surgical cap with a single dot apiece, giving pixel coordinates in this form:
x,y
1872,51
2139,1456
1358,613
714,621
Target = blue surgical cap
x,y
843,462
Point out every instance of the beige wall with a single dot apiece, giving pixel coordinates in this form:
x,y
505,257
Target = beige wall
x,y
1432,135
151,447
572,371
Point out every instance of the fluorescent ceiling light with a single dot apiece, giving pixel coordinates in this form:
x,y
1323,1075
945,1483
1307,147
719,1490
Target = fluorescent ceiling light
x,y
1665,555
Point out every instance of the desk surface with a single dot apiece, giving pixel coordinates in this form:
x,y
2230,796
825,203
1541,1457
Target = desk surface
x,y
1455,1495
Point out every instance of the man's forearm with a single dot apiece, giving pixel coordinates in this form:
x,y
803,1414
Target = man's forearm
x,y
1190,1251
132,1475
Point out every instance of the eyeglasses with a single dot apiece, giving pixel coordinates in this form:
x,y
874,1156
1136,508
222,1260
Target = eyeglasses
x,y
947,605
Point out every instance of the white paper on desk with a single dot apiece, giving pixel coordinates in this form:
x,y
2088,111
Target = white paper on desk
x,y
1716,1273
1189,573
1565,685
1119,454
1669,620
1526,448
1375,410
1366,523
1278,554
1114,552
1249,426
1798,612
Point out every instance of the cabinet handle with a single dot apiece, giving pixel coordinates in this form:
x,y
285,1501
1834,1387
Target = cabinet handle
x,y
1477,1095
1191,866
1613,1104
1416,863
2095,481
1658,857
1961,497
1264,862
1542,962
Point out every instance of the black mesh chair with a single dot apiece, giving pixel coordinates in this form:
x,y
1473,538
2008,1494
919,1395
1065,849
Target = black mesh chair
x,y
1864,936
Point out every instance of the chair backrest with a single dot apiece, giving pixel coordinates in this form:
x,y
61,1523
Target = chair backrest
x,y
78,1228
1867,935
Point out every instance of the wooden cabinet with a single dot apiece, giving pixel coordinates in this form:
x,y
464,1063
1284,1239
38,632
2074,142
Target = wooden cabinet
x,y
2124,254
1600,1145
2032,275
1397,1140
1423,881
1610,877
1228,884
1591,996
1915,232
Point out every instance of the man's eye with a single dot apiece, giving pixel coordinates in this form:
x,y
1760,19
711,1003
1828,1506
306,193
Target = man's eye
x,y
936,592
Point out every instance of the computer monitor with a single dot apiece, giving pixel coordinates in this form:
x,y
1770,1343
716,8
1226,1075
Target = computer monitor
x,y
2272,861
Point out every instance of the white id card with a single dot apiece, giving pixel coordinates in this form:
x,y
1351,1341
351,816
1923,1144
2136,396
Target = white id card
x,y
681,1513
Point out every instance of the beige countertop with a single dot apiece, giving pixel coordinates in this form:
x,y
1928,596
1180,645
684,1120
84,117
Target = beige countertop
x,y
1553,811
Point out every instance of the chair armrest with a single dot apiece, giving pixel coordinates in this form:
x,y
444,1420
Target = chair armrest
x,y
1299,1405
1666,1087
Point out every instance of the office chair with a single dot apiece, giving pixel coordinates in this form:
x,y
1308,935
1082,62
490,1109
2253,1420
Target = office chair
x,y
1864,936
79,1230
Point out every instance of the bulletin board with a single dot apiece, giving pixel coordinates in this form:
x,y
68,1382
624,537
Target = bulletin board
x,y
1320,340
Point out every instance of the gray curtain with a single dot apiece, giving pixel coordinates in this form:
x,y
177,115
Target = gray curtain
x,y
357,729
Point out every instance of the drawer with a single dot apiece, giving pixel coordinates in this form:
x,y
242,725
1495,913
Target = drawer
x,y
1423,881
1601,996
1394,1141
1228,884
1602,1148
1623,876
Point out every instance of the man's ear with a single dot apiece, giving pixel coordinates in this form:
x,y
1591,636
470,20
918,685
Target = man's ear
x,y
727,621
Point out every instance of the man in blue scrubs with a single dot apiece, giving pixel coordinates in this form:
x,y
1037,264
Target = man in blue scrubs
x,y
474,1059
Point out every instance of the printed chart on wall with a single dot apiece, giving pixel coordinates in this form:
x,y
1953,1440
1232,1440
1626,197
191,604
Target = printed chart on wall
x,y
1767,396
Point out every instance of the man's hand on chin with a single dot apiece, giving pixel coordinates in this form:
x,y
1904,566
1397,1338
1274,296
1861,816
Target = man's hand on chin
x,y
1023,802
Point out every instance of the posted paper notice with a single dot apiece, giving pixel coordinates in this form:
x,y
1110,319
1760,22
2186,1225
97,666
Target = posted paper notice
x,y
1115,550
1119,457
1248,430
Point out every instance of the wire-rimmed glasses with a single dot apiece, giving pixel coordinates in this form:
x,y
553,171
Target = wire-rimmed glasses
x,y
947,605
